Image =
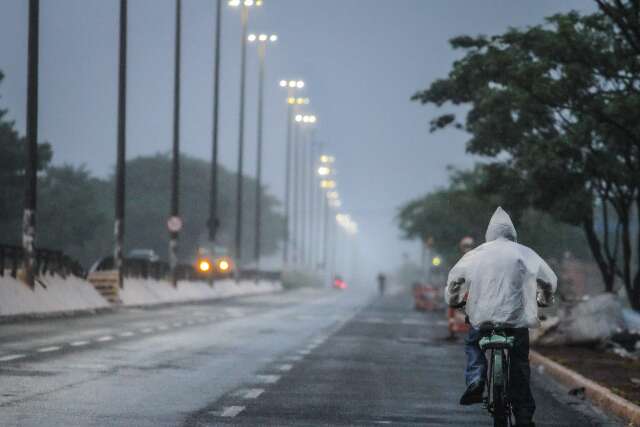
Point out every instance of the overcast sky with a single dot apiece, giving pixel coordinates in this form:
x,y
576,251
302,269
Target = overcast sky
x,y
361,59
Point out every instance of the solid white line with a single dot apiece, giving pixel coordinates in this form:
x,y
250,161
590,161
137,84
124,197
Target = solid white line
x,y
11,357
253,393
78,343
231,411
127,334
48,349
268,379
105,338
285,367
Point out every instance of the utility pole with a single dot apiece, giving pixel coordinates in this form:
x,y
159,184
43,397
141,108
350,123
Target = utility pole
x,y
239,178
31,166
214,221
121,149
287,187
175,170
262,48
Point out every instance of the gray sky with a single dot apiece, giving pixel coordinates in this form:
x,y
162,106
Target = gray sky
x,y
361,59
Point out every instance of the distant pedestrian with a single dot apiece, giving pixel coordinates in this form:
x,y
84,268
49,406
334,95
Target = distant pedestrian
x,y
382,283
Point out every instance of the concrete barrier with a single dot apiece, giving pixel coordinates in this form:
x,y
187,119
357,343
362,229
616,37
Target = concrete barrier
x,y
52,294
151,292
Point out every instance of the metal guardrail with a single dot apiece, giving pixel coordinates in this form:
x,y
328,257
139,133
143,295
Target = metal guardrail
x,y
46,262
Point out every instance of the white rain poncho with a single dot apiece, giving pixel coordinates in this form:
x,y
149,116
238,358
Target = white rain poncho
x,y
500,277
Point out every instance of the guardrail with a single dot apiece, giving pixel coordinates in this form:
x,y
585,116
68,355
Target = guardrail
x,y
46,262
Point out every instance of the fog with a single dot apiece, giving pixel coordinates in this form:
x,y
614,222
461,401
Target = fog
x,y
362,60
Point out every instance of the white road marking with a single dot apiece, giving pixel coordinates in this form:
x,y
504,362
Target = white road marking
x,y
268,379
105,338
163,328
285,367
253,393
78,343
231,411
191,322
11,357
127,334
177,324
146,330
294,358
48,349
304,352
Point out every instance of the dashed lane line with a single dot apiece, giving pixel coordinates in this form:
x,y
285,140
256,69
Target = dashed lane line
x,y
10,357
146,330
286,367
253,393
78,343
127,334
48,349
268,379
105,338
231,411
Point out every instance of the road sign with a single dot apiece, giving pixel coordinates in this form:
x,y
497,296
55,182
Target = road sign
x,y
174,224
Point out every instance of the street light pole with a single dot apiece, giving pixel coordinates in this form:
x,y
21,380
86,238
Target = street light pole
x,y
214,221
291,86
31,166
175,170
258,232
296,191
239,178
121,149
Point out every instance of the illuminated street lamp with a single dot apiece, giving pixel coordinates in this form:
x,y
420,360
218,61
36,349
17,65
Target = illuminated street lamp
x,y
262,40
291,86
302,177
244,5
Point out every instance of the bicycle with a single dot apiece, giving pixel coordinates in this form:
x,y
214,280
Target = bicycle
x,y
497,402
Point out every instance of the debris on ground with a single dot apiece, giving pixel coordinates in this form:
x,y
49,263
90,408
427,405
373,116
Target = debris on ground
x,y
591,321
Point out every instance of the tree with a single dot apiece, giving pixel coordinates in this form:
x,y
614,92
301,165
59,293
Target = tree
x,y
464,209
556,106
12,170
626,16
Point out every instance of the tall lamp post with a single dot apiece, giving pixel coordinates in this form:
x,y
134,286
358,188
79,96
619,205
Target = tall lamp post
x,y
31,179
121,150
262,40
244,5
300,191
291,86
175,224
214,222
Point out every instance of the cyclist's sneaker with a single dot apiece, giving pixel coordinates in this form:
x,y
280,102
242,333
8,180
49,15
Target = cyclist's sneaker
x,y
473,393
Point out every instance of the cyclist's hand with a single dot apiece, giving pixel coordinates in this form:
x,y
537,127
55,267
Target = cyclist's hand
x,y
454,290
544,295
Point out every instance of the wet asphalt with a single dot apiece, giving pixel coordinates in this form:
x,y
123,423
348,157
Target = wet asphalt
x,y
304,358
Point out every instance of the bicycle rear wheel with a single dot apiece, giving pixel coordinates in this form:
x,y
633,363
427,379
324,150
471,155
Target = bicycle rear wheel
x,y
498,390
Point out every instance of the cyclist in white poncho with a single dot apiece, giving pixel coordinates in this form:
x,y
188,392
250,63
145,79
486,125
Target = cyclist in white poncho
x,y
501,282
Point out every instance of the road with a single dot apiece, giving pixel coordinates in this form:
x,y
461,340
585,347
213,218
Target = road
x,y
300,358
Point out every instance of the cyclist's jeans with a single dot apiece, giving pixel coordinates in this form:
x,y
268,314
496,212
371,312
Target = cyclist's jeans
x,y
520,391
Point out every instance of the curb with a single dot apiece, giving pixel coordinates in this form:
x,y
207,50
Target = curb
x,y
600,396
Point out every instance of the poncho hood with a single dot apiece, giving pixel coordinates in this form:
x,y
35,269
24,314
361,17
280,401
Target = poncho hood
x,y
500,225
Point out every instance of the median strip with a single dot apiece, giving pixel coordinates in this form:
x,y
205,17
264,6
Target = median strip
x,y
600,396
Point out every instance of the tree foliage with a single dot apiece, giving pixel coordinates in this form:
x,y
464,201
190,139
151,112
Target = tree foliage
x,y
556,106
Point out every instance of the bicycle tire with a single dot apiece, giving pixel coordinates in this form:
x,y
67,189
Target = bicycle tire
x,y
498,380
